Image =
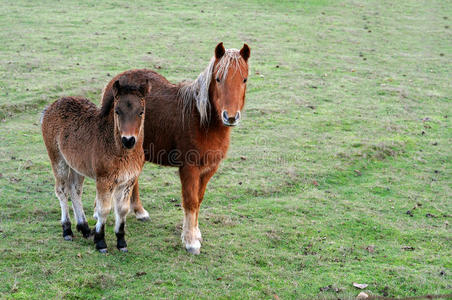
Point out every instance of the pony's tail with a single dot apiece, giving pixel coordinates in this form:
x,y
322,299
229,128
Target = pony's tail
x,y
43,114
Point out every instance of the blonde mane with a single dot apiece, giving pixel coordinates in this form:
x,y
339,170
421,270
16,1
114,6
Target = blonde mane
x,y
198,90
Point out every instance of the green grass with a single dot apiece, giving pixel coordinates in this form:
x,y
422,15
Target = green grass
x,y
347,127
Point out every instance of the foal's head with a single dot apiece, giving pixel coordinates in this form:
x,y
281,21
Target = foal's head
x,y
128,106
228,85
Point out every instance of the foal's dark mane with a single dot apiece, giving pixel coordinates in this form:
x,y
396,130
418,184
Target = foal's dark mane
x,y
127,85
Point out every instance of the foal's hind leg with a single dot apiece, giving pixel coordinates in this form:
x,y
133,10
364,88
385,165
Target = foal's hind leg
x,y
76,184
61,172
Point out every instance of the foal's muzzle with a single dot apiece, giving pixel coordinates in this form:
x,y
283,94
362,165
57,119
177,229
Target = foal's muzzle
x,y
230,121
128,141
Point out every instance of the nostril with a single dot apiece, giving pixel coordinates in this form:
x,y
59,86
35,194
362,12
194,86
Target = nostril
x,y
225,115
237,116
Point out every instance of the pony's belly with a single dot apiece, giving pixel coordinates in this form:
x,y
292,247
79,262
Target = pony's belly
x,y
161,155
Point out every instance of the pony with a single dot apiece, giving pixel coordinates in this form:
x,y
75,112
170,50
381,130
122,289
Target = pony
x,y
104,144
188,126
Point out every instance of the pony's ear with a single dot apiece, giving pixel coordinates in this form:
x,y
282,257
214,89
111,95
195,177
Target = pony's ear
x,y
115,88
219,51
145,89
108,98
245,52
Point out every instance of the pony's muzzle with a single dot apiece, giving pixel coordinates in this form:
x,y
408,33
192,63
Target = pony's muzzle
x,y
230,121
128,141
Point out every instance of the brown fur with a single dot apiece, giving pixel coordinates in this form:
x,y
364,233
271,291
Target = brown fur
x,y
174,138
83,140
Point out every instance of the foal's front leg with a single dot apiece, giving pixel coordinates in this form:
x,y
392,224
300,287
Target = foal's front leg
x,y
189,176
122,205
102,209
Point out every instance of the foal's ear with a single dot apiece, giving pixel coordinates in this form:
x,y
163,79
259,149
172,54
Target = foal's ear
x,y
116,88
245,52
219,51
145,89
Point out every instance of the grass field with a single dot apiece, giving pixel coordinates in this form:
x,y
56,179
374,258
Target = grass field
x,y
340,172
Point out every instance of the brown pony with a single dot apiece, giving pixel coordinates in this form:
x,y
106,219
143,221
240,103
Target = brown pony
x,y
188,125
105,145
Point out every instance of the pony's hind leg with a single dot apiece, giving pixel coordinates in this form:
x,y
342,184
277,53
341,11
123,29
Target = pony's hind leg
x,y
61,172
135,202
76,185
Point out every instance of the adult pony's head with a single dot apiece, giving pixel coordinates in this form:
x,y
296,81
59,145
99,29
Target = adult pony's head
x,y
129,107
228,86
221,85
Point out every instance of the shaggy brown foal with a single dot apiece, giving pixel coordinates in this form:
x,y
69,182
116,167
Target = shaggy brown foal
x,y
188,126
104,144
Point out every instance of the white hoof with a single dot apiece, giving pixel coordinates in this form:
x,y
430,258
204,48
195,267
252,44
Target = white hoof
x,y
143,216
95,215
193,248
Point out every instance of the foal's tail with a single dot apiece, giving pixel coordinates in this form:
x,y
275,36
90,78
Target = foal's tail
x,y
42,114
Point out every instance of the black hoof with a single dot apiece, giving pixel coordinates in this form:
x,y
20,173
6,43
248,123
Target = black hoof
x,y
120,240
121,244
99,240
100,244
67,231
145,219
103,250
123,249
84,229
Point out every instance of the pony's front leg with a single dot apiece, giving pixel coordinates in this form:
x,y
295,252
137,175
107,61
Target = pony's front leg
x,y
103,206
206,174
189,176
122,205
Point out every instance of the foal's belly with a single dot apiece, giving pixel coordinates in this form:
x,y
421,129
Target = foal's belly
x,y
82,165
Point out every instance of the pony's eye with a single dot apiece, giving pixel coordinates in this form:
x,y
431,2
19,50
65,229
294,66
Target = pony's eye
x,y
218,79
117,111
141,113
244,80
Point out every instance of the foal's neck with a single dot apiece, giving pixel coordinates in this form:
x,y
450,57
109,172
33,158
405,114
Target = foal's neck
x,y
112,137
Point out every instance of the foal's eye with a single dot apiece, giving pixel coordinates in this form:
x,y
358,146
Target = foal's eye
x,y
117,111
141,113
218,79
245,80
